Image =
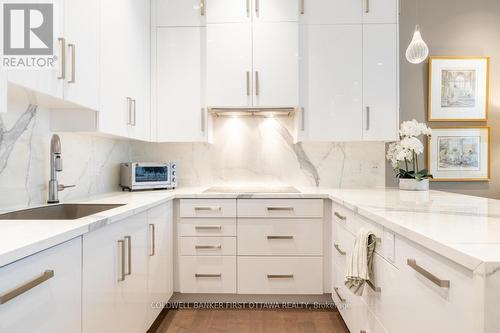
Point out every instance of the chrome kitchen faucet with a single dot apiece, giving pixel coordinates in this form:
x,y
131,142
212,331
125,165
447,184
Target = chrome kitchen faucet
x,y
55,167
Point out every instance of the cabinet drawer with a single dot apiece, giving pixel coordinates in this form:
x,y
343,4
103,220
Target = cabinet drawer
x,y
280,237
204,274
456,308
207,208
51,301
208,246
207,227
342,246
280,208
280,275
354,223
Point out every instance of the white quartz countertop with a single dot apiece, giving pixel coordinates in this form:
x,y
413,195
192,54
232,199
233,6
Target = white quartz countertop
x,y
465,229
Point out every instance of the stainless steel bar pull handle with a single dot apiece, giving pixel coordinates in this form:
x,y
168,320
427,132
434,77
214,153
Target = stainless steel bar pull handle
x,y
217,275
72,52
257,8
10,295
280,209
208,227
339,250
128,240
248,83
202,120
153,240
280,276
121,245
257,84
303,119
302,9
211,209
428,275
248,7
367,6
367,118
338,295
202,7
218,246
134,109
129,111
342,217
279,237
62,58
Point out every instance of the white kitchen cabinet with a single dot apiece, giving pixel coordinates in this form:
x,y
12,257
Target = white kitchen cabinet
x,y
229,65
160,265
276,10
115,277
331,83
180,13
380,82
48,82
3,91
180,84
228,11
53,303
331,12
82,52
380,11
276,64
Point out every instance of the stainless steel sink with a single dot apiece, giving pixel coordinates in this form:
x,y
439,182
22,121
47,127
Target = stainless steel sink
x,y
58,212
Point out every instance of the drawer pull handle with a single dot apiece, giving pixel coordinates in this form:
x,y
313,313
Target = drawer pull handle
x,y
280,276
288,209
218,246
128,240
121,244
218,275
338,295
373,287
337,247
434,279
279,237
208,227
153,240
210,209
48,274
342,217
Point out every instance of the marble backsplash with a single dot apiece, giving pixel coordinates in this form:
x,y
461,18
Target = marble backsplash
x,y
244,150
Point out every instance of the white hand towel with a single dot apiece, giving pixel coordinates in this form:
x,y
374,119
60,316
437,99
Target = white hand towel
x,y
359,262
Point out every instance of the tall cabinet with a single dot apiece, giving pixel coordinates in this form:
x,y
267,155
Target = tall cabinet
x,y
349,70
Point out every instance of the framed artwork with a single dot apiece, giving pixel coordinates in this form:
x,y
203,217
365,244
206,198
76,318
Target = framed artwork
x,y
458,88
459,153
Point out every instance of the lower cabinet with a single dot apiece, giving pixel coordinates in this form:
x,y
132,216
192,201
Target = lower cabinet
x,y
42,293
125,269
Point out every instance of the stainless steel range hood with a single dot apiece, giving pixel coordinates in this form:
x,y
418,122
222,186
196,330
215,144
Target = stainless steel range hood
x,y
252,111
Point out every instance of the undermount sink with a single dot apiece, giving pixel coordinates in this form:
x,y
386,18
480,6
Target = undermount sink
x,y
58,212
252,189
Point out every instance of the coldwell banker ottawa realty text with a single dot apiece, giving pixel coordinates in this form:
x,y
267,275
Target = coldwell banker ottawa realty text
x,y
27,35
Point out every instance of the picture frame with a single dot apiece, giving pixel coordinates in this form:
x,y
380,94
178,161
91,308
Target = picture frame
x,y
458,89
459,153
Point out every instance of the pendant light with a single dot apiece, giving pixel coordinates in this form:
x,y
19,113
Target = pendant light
x,y
418,51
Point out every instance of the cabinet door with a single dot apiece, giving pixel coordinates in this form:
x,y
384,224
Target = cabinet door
x,y
380,82
180,85
331,11
380,11
115,86
49,82
276,64
179,13
228,11
139,48
82,55
331,82
54,305
229,65
276,10
160,270
3,91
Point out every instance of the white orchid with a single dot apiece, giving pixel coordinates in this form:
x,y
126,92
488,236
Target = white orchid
x,y
413,128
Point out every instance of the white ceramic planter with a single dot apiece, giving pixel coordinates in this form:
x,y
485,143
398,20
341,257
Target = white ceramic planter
x,y
414,185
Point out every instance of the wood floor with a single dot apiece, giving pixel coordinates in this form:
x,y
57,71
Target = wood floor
x,y
242,321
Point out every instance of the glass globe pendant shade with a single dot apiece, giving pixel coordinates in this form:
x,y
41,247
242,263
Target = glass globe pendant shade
x,y
417,51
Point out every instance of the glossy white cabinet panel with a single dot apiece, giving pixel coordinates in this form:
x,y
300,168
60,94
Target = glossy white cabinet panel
x,y
207,246
280,275
53,305
331,82
202,227
276,64
380,82
160,265
82,52
207,208
3,91
280,208
276,10
207,274
179,13
280,237
228,11
380,11
332,12
229,64
180,71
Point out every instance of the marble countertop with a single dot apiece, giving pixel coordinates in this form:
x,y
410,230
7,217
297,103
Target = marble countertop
x,y
465,229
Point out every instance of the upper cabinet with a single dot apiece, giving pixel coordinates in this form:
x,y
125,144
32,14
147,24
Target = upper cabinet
x,y
181,13
228,11
380,11
275,10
